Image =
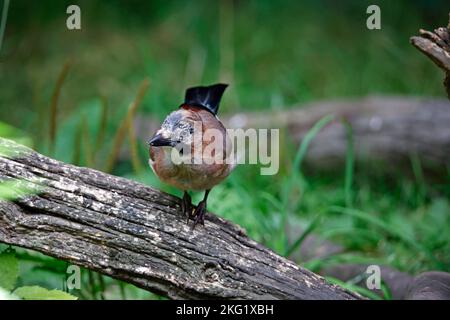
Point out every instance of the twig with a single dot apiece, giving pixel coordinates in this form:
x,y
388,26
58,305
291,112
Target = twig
x,y
121,132
54,105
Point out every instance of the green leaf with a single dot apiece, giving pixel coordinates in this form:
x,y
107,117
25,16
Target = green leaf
x,y
14,189
352,287
9,270
6,295
12,133
39,293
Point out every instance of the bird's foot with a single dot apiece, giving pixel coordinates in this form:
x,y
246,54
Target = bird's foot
x,y
186,206
199,214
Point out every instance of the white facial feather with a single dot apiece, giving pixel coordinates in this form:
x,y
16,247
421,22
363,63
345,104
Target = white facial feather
x,y
176,128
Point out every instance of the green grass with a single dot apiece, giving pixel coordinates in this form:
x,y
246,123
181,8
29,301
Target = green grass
x,y
274,56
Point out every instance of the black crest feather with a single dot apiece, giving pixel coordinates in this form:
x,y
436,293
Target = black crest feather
x,y
205,97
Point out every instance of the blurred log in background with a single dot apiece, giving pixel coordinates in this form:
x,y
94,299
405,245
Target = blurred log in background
x,y
382,128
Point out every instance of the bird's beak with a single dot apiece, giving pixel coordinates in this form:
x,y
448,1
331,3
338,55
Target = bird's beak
x,y
159,141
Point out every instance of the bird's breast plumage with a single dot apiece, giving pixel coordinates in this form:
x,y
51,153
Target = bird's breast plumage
x,y
193,176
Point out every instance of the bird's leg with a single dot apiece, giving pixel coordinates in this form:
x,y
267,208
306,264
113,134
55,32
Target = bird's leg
x,y
200,212
186,205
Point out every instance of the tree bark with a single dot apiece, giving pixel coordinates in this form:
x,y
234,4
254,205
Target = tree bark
x,y
436,45
135,233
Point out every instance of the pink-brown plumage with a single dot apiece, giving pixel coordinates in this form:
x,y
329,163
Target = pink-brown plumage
x,y
192,176
193,127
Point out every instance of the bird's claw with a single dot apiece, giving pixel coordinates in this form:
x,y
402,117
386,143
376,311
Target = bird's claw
x,y
199,214
191,212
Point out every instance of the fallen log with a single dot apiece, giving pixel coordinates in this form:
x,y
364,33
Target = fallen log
x,y
430,285
135,233
383,128
391,129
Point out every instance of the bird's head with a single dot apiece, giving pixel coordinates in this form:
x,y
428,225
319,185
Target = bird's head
x,y
176,130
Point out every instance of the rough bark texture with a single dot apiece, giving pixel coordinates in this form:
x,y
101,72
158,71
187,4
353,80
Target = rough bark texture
x,y
436,45
135,233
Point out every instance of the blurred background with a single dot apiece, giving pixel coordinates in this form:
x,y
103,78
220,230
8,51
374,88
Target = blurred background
x,y
68,94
